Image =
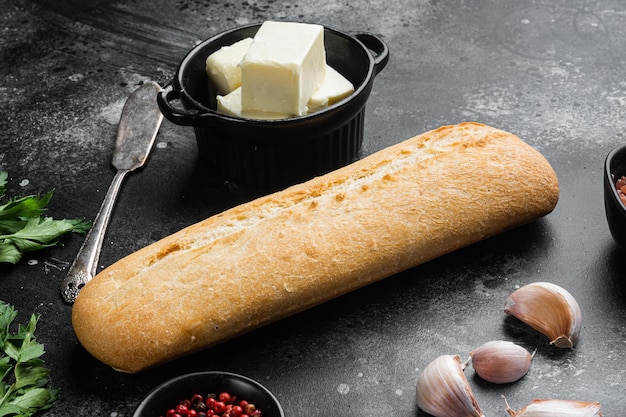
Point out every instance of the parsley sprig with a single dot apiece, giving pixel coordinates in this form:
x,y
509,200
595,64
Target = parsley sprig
x,y
25,228
23,376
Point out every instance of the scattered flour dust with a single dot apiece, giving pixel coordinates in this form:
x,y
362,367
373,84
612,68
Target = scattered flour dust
x,y
343,389
132,79
76,77
566,116
242,21
112,112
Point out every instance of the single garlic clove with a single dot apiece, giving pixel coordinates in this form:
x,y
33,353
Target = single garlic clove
x,y
501,362
557,408
443,390
549,309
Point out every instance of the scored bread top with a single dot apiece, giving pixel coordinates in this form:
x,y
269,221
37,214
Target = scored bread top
x,y
296,248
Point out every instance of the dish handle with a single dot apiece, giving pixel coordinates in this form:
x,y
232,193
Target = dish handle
x,y
378,47
177,115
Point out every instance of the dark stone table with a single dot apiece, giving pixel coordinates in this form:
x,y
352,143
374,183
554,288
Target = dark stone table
x,y
552,72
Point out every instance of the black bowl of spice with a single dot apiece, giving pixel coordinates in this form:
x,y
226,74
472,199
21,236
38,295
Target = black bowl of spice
x,y
615,194
210,393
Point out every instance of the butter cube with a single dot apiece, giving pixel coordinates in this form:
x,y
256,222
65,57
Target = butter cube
x,y
222,66
230,105
334,87
283,67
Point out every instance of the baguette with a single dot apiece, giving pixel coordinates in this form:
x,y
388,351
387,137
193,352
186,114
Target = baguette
x,y
297,248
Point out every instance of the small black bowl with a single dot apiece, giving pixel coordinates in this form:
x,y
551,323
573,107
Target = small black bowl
x,y
615,168
171,393
275,153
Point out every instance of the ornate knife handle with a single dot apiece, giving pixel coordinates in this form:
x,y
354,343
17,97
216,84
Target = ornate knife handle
x,y
86,263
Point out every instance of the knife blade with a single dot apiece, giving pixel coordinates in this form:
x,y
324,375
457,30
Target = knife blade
x,y
139,124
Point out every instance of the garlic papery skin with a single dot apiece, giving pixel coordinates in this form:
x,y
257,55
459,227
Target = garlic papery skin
x,y
557,408
549,309
501,362
443,390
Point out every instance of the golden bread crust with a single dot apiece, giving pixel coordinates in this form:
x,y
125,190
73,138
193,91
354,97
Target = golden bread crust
x,y
291,250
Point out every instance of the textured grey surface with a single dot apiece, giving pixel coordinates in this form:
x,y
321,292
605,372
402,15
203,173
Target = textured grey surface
x,y
550,71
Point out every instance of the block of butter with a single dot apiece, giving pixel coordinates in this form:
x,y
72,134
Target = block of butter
x,y
334,87
284,65
222,66
230,104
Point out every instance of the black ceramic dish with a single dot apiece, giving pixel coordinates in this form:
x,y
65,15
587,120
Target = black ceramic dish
x,y
614,168
169,394
275,153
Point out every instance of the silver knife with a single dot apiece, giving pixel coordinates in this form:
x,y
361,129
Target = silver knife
x,y
138,127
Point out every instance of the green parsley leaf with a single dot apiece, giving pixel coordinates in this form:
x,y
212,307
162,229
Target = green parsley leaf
x,y
24,378
9,253
24,228
3,181
24,207
28,403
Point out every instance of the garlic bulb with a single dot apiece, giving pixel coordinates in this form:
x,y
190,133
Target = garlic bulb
x,y
443,390
501,362
557,408
549,309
